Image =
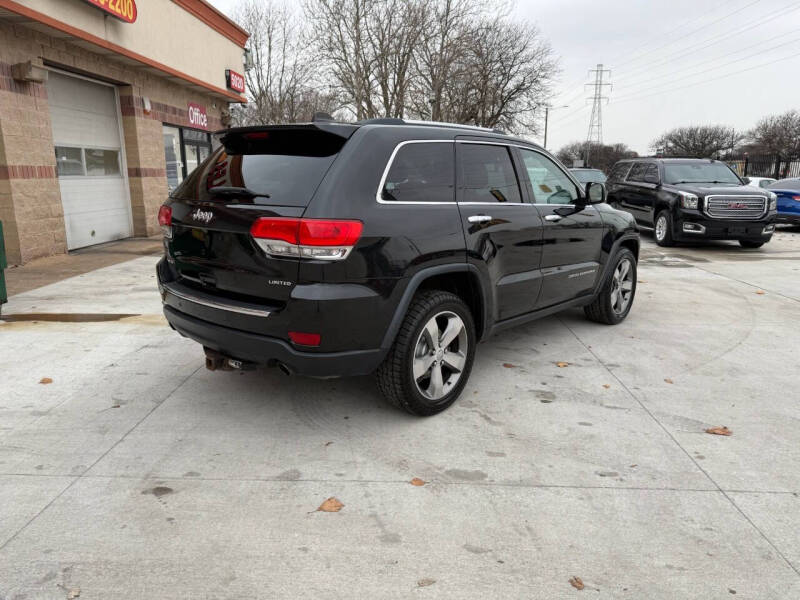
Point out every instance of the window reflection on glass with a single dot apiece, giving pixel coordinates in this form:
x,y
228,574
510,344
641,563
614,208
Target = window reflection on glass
x,y
172,153
550,185
191,157
101,162
69,161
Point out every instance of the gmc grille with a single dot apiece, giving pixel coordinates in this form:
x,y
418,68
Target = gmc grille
x,y
736,207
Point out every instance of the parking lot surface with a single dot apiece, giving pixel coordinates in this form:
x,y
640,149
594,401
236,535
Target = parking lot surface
x,y
136,473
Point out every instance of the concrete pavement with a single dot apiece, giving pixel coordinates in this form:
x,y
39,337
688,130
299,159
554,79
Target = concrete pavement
x,y
137,473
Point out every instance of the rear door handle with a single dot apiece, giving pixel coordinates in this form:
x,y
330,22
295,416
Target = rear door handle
x,y
552,217
479,219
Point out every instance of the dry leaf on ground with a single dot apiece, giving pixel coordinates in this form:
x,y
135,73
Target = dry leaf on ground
x,y
425,582
45,380
74,593
605,385
668,380
577,583
719,431
509,366
330,505
760,292
562,364
417,481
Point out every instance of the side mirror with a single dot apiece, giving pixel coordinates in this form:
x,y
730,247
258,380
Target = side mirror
x,y
746,180
651,179
595,192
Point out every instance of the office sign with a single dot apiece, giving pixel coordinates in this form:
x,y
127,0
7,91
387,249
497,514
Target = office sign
x,y
198,117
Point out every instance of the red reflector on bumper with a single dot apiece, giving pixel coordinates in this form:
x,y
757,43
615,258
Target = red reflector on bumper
x,y
305,339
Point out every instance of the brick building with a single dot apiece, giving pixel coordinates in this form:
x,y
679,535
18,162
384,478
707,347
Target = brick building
x,y
104,106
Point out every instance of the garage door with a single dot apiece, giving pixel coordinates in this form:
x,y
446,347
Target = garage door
x,y
89,159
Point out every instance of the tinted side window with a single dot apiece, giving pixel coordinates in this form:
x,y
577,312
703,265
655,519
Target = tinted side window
x,y
421,172
619,171
487,174
651,174
637,172
549,183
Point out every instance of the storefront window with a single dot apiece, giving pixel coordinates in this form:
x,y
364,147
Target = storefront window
x,y
184,150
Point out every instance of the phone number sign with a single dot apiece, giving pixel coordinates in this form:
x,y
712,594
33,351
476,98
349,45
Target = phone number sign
x,y
124,10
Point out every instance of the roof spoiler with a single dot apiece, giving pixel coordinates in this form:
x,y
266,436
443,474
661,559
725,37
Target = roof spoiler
x,y
343,130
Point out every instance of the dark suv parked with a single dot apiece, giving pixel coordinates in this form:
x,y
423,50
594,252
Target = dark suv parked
x,y
331,249
684,199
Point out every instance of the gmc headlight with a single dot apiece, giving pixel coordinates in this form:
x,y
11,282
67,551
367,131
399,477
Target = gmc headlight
x,y
773,201
689,200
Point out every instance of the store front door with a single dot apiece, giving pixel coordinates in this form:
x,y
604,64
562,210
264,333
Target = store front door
x,y
184,150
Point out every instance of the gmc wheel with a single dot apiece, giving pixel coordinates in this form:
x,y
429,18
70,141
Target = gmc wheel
x,y
663,229
431,358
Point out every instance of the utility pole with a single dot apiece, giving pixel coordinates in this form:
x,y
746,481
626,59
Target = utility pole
x,y
547,110
595,135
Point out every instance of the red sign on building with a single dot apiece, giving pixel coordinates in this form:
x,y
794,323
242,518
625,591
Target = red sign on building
x,y
124,10
198,117
234,80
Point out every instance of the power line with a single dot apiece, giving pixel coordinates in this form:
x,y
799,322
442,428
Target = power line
x,y
580,84
696,47
705,81
691,32
714,68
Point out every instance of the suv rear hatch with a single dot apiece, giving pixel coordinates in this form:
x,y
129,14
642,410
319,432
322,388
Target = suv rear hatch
x,y
257,172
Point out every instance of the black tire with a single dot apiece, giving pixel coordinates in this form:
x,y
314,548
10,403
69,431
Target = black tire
x,y
750,244
666,238
395,375
601,310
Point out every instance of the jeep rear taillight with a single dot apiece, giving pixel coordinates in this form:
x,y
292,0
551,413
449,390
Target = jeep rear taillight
x,y
322,239
165,220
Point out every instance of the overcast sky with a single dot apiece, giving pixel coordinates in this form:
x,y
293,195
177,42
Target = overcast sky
x,y
668,62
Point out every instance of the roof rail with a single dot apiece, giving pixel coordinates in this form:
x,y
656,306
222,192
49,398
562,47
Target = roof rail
x,y
396,121
454,125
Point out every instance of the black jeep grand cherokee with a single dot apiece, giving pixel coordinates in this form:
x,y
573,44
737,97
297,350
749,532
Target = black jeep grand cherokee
x,y
684,199
333,249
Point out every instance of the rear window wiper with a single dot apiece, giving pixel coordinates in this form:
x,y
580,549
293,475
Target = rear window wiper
x,y
225,190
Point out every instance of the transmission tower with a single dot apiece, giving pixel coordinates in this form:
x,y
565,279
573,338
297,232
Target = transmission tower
x,y
595,135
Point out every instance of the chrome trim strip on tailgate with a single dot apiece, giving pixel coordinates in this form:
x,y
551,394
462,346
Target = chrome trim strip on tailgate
x,y
212,302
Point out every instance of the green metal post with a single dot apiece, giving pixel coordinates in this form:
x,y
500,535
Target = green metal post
x,y
3,265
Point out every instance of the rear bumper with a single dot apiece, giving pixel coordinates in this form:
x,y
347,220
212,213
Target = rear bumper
x,y
696,226
267,350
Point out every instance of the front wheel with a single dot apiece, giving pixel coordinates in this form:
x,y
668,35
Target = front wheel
x,y
431,358
615,299
663,229
750,244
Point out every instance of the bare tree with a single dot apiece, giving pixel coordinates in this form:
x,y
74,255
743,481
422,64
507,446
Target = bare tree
x,y
697,141
454,60
778,134
283,86
603,157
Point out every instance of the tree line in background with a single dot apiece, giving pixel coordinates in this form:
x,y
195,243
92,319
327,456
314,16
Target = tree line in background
x,y
463,61
777,135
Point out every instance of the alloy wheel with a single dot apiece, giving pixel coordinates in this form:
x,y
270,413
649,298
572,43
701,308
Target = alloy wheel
x,y
661,227
622,286
440,355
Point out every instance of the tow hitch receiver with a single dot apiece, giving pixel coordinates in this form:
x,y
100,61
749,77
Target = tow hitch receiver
x,y
216,361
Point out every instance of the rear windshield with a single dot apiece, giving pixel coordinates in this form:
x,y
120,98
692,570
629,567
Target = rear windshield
x,y
699,172
271,167
588,175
